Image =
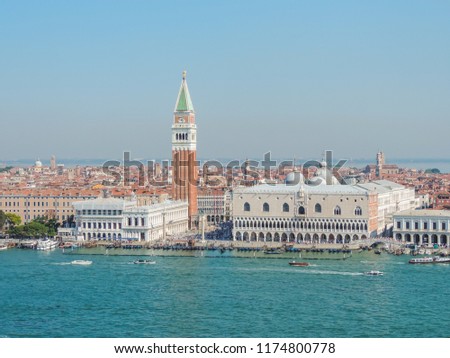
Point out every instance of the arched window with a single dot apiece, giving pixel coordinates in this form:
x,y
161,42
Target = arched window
x,y
337,210
318,208
246,207
358,211
301,210
266,207
285,207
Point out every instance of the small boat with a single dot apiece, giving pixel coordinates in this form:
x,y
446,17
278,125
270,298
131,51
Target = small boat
x,y
144,262
430,260
272,252
374,273
81,262
302,264
377,252
3,247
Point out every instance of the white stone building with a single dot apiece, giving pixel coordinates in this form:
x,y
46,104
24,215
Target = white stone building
x,y
147,223
392,197
108,218
214,205
422,227
100,218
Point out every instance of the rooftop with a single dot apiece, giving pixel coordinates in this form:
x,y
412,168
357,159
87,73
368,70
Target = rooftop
x,y
424,213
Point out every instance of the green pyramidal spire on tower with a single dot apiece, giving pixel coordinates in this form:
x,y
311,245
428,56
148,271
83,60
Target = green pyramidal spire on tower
x,y
184,102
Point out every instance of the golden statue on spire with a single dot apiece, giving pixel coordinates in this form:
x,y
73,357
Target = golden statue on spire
x,y
184,74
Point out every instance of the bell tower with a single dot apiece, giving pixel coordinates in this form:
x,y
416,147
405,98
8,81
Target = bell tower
x,y
184,150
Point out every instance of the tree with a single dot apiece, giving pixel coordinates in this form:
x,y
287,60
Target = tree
x,y
32,229
3,219
52,224
13,219
70,222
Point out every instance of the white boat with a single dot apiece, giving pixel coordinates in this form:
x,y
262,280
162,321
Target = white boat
x,y
3,247
430,260
374,273
45,245
144,262
81,262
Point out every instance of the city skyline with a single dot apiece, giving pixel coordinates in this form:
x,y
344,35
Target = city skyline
x,y
302,78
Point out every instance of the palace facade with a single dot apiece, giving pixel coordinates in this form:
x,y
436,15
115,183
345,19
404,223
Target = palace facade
x,y
107,218
321,213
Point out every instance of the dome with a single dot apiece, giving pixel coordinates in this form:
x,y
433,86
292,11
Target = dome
x,y
294,178
38,163
315,181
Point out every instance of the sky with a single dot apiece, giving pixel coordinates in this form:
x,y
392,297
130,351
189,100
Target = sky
x,y
92,79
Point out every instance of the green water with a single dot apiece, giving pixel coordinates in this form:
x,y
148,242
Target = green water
x,y
42,295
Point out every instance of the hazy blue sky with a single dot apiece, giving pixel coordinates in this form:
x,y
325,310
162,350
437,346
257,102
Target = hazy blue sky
x,y
90,79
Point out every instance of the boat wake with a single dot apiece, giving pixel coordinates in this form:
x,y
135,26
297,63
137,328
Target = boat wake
x,y
368,262
340,273
61,263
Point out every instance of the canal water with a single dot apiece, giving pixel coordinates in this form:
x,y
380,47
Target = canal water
x,y
43,295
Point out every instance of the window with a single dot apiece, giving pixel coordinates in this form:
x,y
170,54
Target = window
x,y
434,226
285,207
416,226
425,226
246,207
337,210
301,210
399,224
358,211
266,207
318,208
443,226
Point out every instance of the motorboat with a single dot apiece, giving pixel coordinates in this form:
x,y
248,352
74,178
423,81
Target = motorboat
x,y
301,264
3,247
430,260
374,273
81,262
144,262
45,245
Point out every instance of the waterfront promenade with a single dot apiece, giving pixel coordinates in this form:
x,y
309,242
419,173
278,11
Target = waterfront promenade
x,y
387,245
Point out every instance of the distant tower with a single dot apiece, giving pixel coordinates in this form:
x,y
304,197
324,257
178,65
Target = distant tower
x,y
184,151
53,162
380,163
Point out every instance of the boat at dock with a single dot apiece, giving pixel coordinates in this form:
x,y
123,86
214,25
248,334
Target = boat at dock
x,y
3,247
81,262
374,273
430,260
27,245
45,245
272,252
301,264
144,262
